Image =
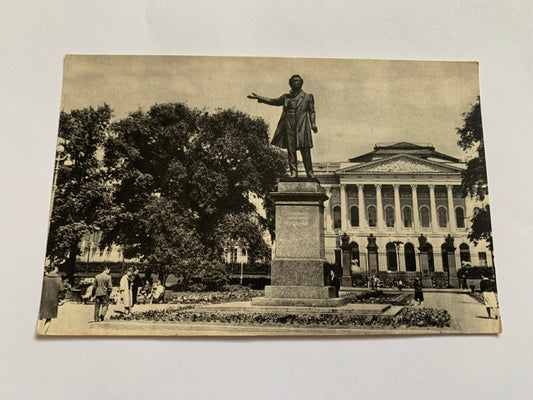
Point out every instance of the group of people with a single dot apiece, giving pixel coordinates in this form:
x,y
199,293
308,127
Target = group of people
x,y
131,284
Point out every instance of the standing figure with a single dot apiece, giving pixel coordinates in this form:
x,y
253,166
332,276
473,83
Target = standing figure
x,y
102,290
489,297
335,282
294,127
125,290
52,288
136,284
419,292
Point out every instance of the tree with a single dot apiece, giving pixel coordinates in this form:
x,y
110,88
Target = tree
x,y
81,192
474,180
183,181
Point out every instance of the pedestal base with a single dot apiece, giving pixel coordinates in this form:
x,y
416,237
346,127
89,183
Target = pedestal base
x,y
304,296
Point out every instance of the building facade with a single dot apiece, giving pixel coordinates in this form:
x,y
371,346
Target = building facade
x,y
396,193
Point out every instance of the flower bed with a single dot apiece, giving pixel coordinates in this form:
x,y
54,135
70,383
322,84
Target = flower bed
x,y
236,293
408,317
378,297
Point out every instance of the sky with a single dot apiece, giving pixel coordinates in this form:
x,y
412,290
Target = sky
x,y
358,103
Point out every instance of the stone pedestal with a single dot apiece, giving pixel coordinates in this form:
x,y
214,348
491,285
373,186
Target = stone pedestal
x,y
297,271
346,261
424,269
452,270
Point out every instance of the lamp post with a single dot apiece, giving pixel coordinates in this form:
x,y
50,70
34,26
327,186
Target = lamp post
x,y
60,157
397,244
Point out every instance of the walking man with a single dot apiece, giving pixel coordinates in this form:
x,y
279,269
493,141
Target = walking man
x,y
102,290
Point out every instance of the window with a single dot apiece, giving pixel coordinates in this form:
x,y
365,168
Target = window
x,y
410,257
444,252
482,259
431,259
464,253
424,217
233,256
354,216
392,261
243,252
407,217
442,216
389,216
336,217
355,254
372,216
460,217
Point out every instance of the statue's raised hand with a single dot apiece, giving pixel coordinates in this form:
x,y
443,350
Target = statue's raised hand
x,y
253,96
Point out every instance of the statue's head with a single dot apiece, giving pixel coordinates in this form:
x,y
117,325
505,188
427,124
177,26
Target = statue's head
x,y
296,82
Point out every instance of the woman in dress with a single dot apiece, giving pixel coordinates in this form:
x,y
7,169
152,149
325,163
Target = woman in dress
x,y
489,297
419,293
125,293
52,288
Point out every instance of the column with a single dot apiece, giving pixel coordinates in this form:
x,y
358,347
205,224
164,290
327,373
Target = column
x,y
451,209
416,215
327,210
361,206
397,209
379,206
344,206
434,222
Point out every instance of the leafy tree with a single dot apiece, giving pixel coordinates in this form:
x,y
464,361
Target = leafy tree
x,y
81,192
475,175
183,181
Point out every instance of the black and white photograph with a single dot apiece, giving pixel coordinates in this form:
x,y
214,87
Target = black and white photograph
x,y
269,200
248,196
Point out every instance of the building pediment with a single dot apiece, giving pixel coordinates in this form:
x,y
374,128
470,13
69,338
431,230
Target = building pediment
x,y
398,165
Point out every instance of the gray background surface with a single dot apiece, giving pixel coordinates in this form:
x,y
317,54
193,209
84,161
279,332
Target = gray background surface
x,y
35,36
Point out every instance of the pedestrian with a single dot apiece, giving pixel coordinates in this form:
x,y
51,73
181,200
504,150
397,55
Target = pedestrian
x,y
400,285
489,297
354,270
102,290
419,293
136,284
125,290
52,289
335,282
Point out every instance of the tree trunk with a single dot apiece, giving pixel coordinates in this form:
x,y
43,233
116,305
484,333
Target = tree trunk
x,y
71,263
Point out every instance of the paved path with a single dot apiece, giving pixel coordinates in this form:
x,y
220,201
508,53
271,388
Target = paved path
x,y
468,316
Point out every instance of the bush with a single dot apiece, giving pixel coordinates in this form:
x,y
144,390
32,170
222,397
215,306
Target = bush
x,y
408,317
475,272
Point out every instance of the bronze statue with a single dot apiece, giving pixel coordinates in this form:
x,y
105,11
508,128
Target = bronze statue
x,y
422,242
295,125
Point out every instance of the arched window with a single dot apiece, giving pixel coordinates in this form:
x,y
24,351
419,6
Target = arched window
x,y
444,254
392,261
442,216
464,253
355,254
407,217
336,217
431,260
354,216
389,216
372,216
424,217
410,257
460,217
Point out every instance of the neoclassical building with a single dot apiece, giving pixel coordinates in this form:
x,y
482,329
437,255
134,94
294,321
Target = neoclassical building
x,y
396,193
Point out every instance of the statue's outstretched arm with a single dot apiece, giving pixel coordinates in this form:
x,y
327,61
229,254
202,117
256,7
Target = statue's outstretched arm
x,y
272,102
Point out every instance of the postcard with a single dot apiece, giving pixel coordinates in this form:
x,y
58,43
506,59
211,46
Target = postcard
x,y
242,196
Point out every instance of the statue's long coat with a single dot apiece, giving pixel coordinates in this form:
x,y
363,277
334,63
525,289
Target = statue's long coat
x,y
305,115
